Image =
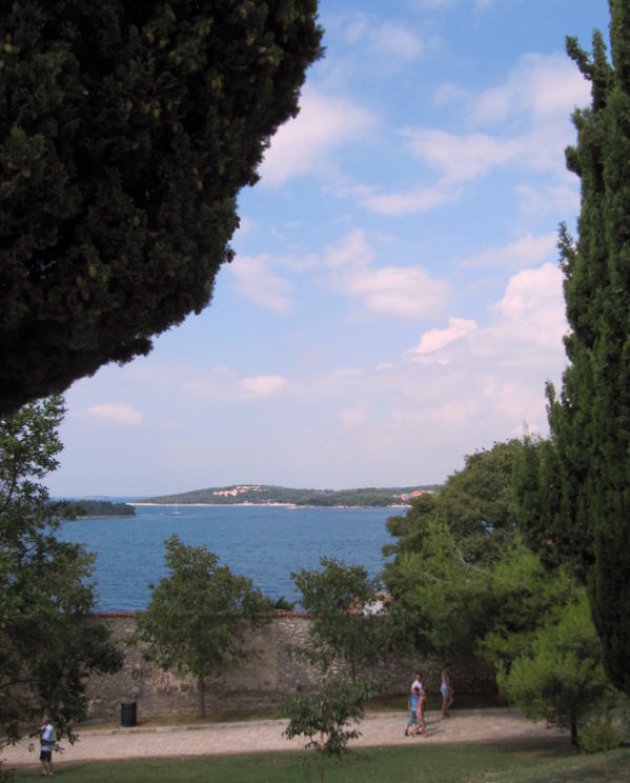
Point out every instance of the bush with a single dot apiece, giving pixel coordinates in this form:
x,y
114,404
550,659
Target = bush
x,y
601,735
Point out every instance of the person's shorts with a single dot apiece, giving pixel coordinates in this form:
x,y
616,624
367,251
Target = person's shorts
x,y
45,755
413,719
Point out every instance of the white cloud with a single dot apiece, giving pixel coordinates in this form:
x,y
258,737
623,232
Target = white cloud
x,y
549,199
354,416
256,281
531,110
117,413
393,40
303,145
352,252
461,157
432,5
263,385
413,201
526,251
389,42
223,384
533,306
450,93
403,292
497,373
436,339
398,291
539,85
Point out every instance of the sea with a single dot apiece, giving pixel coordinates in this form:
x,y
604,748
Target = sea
x,y
264,543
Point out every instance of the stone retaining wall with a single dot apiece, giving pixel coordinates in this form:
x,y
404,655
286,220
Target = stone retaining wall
x,y
263,682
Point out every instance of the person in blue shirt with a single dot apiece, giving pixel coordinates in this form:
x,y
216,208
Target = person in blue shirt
x,y
415,721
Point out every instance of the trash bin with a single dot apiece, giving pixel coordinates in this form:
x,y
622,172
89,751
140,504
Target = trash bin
x,y
128,713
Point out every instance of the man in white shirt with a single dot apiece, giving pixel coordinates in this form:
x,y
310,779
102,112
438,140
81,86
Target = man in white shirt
x,y
46,742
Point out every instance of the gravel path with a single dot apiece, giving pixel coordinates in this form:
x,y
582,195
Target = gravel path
x,y
483,725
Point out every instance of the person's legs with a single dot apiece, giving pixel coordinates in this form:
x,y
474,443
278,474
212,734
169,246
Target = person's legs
x,y
445,705
411,724
450,698
46,759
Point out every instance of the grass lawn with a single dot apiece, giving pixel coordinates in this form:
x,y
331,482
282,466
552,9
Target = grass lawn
x,y
477,763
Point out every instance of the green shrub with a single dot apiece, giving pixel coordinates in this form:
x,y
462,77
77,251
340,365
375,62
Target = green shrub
x,y
602,735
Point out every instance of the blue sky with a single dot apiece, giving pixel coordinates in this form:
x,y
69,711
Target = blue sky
x,y
395,302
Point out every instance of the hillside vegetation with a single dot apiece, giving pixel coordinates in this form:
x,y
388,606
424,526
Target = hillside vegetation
x,y
99,508
261,494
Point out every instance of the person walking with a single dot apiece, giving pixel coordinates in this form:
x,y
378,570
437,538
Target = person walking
x,y
419,683
46,745
418,680
415,718
446,690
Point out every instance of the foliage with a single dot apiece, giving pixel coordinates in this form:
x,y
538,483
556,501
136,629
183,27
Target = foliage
x,y
201,616
283,604
586,475
460,570
477,504
330,715
127,129
545,501
562,678
331,712
601,735
48,641
99,508
335,596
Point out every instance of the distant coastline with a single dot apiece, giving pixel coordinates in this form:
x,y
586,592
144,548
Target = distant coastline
x,y
256,505
269,495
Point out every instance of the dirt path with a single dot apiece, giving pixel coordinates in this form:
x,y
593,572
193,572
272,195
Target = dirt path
x,y
487,725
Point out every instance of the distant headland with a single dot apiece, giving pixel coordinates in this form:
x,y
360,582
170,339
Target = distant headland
x,y
262,494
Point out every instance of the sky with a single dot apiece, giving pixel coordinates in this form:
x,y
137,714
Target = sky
x,y
396,301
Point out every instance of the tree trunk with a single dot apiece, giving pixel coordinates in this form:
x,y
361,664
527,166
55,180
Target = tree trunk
x,y
201,689
574,733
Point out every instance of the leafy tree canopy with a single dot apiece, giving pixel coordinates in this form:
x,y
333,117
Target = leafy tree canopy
x,y
476,506
560,677
331,715
127,128
48,641
201,616
335,596
460,570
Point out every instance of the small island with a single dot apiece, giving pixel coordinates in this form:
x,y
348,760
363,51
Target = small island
x,y
84,509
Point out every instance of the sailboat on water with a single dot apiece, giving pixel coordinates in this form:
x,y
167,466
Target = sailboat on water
x,y
176,511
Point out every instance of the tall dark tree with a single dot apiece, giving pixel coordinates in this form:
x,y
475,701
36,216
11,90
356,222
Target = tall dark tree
x,y
49,642
590,421
127,129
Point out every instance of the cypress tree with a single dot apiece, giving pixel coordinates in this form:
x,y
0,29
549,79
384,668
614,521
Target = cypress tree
x,y
590,421
127,129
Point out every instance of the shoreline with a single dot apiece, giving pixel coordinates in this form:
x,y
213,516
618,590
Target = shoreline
x,y
271,504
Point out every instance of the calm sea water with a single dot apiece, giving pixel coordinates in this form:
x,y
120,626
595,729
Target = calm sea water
x,y
264,543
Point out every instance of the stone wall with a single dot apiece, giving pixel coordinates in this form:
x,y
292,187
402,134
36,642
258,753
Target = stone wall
x,y
263,682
